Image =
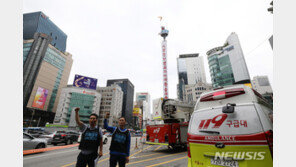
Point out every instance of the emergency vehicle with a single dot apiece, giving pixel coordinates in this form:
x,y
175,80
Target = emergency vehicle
x,y
231,126
173,132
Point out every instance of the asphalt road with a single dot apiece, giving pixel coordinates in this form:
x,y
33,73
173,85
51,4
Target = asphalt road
x,y
144,155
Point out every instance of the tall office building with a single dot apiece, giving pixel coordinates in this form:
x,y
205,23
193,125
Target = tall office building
x,y
143,102
190,71
227,63
87,100
112,98
39,22
46,68
128,95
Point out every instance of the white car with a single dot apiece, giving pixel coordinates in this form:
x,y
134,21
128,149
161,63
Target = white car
x,y
105,138
30,142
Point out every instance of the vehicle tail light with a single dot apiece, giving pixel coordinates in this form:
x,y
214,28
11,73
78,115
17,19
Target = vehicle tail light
x,y
63,135
222,94
269,138
188,150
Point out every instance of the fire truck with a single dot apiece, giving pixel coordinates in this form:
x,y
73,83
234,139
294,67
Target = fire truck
x,y
173,131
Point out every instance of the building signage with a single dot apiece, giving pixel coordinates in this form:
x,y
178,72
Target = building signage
x,y
165,76
88,93
136,110
40,98
85,82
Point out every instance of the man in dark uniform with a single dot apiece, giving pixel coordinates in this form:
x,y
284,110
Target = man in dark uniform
x,y
120,143
91,139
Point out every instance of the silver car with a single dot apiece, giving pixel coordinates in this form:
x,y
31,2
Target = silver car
x,y
48,137
30,142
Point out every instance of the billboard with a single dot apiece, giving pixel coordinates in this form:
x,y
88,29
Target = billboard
x,y
85,82
40,98
142,97
136,111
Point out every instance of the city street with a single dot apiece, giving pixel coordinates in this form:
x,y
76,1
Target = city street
x,y
145,155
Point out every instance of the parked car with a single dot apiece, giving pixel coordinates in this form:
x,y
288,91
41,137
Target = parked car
x,y
34,131
30,142
48,136
73,135
105,138
61,137
235,120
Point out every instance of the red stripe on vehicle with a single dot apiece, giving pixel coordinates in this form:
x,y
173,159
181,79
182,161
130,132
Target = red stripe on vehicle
x,y
252,139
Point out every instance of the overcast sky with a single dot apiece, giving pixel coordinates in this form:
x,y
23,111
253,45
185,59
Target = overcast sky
x,y
119,39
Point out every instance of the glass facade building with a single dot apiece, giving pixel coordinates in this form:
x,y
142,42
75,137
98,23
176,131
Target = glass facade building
x,y
227,64
84,102
39,22
71,97
220,70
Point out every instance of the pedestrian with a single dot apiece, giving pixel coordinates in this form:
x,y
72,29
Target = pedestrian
x,y
91,139
120,143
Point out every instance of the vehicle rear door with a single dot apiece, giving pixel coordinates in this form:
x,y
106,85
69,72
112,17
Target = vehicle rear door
x,y
237,136
158,133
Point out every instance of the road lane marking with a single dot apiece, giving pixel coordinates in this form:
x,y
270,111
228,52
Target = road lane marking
x,y
25,158
146,155
130,155
153,158
140,151
158,147
75,162
164,144
168,161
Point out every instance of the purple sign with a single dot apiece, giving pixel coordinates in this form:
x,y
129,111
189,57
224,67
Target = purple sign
x,y
85,82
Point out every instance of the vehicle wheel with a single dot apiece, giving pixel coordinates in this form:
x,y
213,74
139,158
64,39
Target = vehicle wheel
x,y
105,141
68,142
54,144
40,146
71,142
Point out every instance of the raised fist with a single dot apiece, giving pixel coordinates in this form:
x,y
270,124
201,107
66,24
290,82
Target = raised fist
x,y
77,109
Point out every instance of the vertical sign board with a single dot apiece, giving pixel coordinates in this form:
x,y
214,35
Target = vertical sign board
x,y
164,65
85,82
40,98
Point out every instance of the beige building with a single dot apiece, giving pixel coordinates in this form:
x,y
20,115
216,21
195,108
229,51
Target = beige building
x,y
261,84
111,102
46,72
192,92
47,77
